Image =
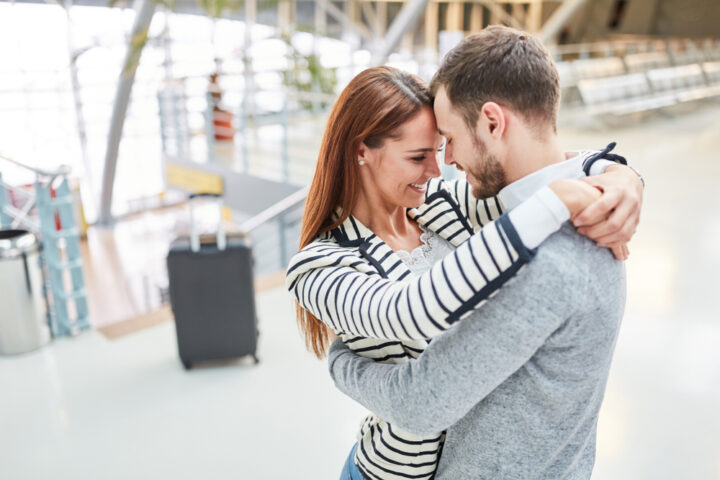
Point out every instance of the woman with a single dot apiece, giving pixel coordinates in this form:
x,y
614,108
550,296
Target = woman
x,y
392,255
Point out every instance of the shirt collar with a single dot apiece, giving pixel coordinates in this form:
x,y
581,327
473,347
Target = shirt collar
x,y
515,193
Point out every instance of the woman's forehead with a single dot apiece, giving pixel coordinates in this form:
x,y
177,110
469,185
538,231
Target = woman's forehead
x,y
421,127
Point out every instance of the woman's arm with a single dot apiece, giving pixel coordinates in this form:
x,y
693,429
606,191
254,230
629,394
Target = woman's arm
x,y
479,212
328,280
336,286
460,368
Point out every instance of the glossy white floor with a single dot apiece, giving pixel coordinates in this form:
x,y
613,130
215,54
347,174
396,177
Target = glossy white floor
x,y
90,408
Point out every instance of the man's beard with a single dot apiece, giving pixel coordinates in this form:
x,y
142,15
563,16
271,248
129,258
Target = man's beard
x,y
486,176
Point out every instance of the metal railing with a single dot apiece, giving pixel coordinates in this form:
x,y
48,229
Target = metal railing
x,y
275,233
49,212
276,140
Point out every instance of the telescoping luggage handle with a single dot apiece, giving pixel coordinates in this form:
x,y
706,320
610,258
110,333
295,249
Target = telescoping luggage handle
x,y
194,235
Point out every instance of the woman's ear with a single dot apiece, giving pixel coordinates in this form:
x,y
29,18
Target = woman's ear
x,y
363,154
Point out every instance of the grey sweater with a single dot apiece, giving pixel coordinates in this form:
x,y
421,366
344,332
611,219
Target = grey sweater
x,y
518,385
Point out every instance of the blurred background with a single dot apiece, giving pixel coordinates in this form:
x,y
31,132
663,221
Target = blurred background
x,y
112,113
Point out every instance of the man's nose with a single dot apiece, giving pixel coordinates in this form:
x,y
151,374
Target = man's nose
x,y
449,160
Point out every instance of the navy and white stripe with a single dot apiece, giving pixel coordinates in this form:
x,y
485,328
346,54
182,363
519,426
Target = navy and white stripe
x,y
351,280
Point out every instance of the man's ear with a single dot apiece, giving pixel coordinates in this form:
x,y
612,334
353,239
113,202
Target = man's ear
x,y
493,119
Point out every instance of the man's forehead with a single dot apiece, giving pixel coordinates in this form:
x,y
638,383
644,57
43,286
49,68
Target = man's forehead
x,y
441,100
442,110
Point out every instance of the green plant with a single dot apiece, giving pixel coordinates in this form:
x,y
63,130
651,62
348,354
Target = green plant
x,y
307,74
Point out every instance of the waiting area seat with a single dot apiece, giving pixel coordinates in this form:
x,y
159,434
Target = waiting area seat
x,y
658,75
687,83
642,62
712,71
621,95
598,67
657,88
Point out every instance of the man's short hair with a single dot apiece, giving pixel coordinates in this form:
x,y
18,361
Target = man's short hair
x,y
502,65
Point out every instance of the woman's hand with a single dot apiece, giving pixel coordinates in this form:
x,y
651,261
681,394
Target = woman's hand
x,y
577,196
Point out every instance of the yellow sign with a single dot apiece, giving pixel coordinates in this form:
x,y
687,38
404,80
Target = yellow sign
x,y
192,180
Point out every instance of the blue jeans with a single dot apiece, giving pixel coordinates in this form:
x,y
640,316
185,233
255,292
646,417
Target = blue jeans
x,y
350,470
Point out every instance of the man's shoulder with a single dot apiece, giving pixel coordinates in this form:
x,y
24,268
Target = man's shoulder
x,y
572,255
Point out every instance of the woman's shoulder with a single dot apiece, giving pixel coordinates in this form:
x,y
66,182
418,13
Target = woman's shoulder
x,y
323,244
323,251
453,186
435,185
458,189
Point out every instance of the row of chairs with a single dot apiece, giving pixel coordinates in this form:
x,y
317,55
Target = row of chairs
x,y
622,62
635,82
656,88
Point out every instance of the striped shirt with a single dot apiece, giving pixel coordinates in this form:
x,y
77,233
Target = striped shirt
x,y
351,280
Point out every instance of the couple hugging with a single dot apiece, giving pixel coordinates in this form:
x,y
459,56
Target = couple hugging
x,y
515,273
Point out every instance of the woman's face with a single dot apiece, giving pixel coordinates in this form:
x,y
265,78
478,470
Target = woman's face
x,y
398,171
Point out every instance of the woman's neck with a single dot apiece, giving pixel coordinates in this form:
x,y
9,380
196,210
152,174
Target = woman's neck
x,y
387,221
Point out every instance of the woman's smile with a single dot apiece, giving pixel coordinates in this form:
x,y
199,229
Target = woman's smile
x,y
419,187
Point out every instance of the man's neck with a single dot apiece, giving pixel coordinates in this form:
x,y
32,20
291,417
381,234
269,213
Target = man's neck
x,y
529,154
569,167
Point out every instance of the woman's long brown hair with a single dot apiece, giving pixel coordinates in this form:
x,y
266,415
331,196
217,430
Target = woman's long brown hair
x,y
370,109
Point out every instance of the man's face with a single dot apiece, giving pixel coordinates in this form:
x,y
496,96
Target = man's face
x,y
466,150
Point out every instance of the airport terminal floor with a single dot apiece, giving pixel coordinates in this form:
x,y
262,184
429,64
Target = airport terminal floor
x,y
122,407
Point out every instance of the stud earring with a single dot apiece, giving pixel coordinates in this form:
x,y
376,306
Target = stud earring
x,y
361,162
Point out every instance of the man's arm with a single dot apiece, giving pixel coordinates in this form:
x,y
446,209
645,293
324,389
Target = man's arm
x,y
464,365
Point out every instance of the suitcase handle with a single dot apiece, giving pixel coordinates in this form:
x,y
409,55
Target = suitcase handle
x,y
194,235
193,196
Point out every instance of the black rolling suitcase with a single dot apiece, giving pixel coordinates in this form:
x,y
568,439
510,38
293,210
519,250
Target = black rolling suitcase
x,y
212,296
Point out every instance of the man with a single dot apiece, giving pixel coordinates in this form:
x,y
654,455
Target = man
x,y
518,386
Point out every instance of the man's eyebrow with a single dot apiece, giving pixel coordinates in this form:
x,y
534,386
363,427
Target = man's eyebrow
x,y
420,150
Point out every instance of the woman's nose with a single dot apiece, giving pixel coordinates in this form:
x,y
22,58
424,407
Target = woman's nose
x,y
433,169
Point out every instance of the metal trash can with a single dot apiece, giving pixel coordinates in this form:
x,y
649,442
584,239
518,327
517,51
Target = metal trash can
x,y
23,325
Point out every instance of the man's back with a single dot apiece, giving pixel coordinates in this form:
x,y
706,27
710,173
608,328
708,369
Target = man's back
x,y
541,421
518,384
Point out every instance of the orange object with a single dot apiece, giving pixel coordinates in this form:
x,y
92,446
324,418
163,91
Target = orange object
x,y
222,123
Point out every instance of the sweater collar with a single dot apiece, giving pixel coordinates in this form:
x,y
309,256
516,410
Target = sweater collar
x,y
352,232
520,190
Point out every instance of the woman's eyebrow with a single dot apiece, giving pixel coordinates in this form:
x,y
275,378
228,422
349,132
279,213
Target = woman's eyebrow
x,y
420,150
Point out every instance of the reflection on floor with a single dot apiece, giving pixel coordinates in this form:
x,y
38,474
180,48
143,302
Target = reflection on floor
x,y
125,266
91,407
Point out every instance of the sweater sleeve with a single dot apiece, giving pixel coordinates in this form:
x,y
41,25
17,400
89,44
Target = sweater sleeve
x,y
330,286
463,366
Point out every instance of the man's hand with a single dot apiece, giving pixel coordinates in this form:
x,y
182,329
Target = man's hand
x,y
577,197
612,219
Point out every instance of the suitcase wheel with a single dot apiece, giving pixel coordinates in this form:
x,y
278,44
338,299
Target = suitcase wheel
x,y
256,359
186,365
